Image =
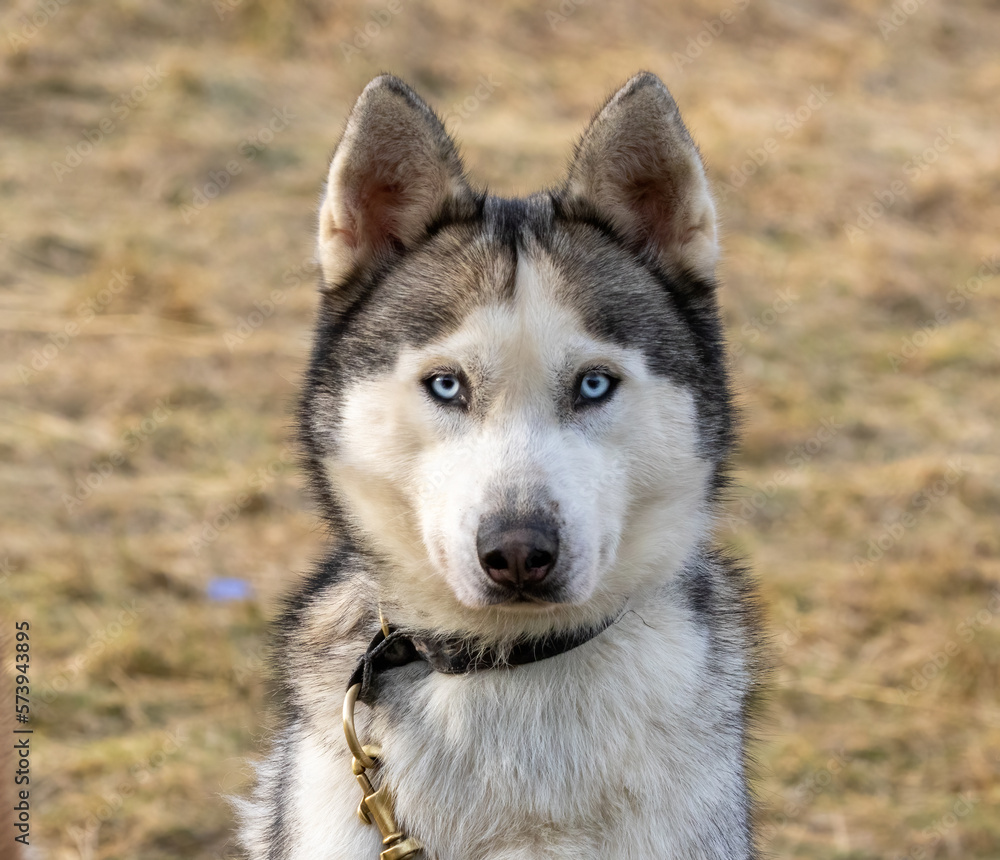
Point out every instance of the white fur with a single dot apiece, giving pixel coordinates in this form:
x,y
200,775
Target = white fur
x,y
598,753
626,476
628,747
602,752
617,749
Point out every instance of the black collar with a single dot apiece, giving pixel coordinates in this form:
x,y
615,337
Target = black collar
x,y
458,656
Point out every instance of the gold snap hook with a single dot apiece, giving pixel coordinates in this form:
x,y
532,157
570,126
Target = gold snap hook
x,y
376,805
382,621
406,848
357,750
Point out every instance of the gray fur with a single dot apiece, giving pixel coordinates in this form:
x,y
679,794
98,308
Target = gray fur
x,y
634,744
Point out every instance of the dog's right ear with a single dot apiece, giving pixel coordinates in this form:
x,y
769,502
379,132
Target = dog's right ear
x,y
393,172
638,167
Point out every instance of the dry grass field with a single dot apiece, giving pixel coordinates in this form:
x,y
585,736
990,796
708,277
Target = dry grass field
x,y
161,163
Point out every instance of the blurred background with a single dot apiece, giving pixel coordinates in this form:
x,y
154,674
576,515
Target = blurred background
x,y
161,165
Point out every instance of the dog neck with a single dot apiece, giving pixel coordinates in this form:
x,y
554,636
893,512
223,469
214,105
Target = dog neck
x,y
391,649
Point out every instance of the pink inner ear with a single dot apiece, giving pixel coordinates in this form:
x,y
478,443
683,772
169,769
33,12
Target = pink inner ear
x,y
374,212
654,208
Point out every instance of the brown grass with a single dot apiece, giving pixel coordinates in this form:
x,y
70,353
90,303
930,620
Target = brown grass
x,y
148,697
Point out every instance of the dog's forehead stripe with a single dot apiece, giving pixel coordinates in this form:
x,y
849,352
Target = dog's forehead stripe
x,y
467,266
526,338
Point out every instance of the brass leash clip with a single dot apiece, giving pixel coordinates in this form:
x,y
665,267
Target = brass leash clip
x,y
376,806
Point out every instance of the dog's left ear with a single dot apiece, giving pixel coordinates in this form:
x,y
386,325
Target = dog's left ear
x,y
638,167
394,171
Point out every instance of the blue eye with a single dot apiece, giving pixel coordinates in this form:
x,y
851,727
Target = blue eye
x,y
595,386
446,387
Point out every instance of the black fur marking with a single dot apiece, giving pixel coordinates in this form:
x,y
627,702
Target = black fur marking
x,y
700,591
677,325
329,572
419,295
467,211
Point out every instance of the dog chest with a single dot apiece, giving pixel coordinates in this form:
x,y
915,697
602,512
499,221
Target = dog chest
x,y
626,744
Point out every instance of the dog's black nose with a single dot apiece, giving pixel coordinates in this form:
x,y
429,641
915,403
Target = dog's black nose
x,y
517,554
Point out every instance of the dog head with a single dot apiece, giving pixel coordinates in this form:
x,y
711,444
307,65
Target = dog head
x,y
518,407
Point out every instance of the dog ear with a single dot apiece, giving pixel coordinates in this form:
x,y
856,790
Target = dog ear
x,y
393,172
637,166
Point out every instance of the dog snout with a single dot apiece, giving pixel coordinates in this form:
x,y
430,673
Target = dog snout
x,y
518,554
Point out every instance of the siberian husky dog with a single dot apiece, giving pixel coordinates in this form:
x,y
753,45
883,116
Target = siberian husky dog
x,y
517,422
